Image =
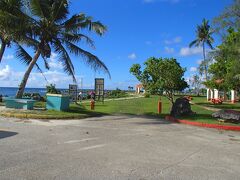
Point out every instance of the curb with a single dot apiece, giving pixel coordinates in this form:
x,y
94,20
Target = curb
x,y
38,117
205,125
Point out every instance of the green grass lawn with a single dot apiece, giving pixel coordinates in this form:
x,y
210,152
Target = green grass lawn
x,y
226,105
138,106
204,115
75,112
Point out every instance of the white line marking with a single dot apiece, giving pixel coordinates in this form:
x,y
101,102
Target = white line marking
x,y
92,147
80,140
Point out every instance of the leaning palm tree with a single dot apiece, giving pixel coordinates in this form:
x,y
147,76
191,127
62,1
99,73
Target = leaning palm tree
x,y
52,31
203,38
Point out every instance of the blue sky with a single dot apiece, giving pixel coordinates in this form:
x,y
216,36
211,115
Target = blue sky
x,y
137,30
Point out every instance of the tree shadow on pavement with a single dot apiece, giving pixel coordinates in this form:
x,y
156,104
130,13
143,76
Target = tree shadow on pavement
x,y
6,134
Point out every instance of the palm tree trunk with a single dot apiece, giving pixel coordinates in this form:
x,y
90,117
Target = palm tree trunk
x,y
2,50
27,74
204,59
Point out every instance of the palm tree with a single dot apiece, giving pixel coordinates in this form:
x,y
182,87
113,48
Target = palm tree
x,y
9,21
52,31
203,38
13,27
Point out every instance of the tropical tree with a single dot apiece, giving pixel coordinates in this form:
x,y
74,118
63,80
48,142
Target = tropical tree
x,y
204,66
203,38
196,83
11,23
229,18
225,69
161,76
14,24
52,31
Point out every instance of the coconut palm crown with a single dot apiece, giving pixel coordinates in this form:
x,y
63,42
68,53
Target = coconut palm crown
x,y
11,23
203,37
52,31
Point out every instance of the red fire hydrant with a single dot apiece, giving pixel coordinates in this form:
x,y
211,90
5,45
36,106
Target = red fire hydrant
x,y
92,104
159,107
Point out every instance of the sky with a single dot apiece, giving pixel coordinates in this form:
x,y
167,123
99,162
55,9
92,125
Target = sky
x,y
137,30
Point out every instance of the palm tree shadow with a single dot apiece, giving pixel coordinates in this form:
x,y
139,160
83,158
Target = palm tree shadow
x,y
6,134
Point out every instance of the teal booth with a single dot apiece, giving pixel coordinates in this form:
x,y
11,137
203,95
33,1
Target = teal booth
x,y
57,102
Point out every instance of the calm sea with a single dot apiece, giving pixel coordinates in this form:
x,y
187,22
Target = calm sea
x,y
11,91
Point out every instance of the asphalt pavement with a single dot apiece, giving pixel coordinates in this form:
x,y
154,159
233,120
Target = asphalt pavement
x,y
116,147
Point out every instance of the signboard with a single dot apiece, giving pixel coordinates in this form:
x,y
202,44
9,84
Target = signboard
x,y
99,89
73,92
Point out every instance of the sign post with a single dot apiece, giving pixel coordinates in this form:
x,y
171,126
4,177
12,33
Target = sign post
x,y
99,89
73,92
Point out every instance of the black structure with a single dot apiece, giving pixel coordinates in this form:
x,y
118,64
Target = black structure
x,y
99,89
73,92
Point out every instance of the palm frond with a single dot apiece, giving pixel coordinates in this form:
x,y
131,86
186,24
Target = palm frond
x,y
75,38
25,58
193,43
92,60
40,8
46,63
81,21
209,43
59,10
98,27
65,59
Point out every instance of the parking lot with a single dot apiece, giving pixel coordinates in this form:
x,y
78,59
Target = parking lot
x,y
116,147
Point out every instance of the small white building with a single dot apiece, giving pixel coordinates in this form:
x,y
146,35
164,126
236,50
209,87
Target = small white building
x,y
139,89
214,94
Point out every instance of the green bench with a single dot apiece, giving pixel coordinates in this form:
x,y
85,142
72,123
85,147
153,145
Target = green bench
x,y
26,104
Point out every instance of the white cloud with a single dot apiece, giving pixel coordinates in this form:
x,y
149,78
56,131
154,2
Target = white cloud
x,y
193,69
169,50
11,78
199,61
175,40
132,56
186,51
5,73
8,57
54,63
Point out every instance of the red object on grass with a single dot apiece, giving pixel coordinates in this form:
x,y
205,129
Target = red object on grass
x,y
217,101
92,104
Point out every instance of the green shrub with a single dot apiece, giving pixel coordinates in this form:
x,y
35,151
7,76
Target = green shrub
x,y
34,96
147,95
117,94
51,89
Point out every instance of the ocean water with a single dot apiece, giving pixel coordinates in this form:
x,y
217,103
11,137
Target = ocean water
x,y
11,91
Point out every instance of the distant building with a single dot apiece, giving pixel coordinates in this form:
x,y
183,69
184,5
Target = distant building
x,y
139,89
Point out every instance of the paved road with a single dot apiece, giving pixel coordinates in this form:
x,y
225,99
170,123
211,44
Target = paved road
x,y
116,147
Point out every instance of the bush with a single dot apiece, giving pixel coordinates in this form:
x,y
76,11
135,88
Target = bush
x,y
147,95
51,89
34,96
117,94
